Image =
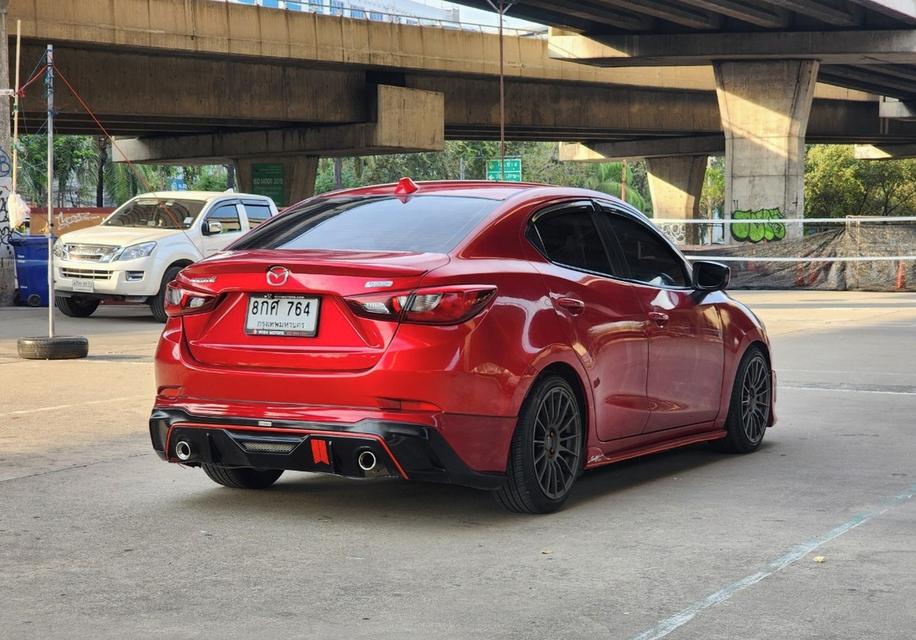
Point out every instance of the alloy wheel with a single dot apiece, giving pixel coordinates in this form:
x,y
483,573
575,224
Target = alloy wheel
x,y
755,399
557,448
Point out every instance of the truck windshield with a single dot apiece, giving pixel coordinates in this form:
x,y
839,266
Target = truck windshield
x,y
156,214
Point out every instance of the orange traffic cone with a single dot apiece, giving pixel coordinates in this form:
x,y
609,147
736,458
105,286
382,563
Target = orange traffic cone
x,y
901,276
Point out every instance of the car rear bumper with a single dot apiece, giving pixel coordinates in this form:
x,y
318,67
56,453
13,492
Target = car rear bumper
x,y
411,451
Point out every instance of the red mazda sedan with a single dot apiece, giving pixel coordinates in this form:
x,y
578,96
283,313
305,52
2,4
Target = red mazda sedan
x,y
499,336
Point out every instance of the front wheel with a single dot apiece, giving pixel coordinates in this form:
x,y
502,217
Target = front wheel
x,y
546,453
75,306
242,478
749,410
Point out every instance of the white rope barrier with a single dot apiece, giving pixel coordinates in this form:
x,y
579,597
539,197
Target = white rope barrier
x,y
805,259
865,219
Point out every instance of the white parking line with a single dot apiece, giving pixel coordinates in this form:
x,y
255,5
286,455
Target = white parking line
x,y
798,552
23,412
887,392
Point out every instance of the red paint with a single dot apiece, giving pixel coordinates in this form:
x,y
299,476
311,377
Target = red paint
x,y
647,383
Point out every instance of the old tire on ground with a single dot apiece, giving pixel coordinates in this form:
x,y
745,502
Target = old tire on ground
x,y
157,302
546,453
76,307
242,478
749,409
57,348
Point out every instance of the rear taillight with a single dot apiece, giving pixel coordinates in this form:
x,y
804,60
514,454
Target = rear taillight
x,y
435,305
180,301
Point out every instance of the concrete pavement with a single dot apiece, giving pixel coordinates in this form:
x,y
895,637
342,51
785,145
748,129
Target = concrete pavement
x,y
100,539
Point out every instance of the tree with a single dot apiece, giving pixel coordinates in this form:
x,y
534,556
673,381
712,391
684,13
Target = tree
x,y
713,196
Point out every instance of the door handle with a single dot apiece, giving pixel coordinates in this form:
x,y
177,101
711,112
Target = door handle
x,y
573,305
661,319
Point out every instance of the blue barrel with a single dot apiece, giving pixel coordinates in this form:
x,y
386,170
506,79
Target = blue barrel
x,y
31,269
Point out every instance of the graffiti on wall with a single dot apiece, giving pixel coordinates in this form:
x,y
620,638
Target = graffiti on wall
x,y
763,225
6,183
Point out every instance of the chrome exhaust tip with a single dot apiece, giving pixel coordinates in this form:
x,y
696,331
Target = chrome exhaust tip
x,y
183,450
366,460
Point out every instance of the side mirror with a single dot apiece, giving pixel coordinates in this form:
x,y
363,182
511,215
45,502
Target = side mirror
x,y
711,276
213,228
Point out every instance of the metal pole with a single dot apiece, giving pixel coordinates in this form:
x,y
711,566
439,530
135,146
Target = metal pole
x,y
502,99
49,83
16,109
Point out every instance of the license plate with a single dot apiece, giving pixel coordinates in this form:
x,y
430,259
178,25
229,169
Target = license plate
x,y
83,285
274,315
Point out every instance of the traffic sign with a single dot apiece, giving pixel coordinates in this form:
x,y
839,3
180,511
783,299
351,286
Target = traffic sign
x,y
512,172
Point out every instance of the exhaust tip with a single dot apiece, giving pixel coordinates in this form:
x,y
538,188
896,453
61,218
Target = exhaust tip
x,y
183,450
366,460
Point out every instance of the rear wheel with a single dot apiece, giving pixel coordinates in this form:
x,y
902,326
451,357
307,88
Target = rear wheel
x,y
76,306
546,454
242,478
157,302
749,411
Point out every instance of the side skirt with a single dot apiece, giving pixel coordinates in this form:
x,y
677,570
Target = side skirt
x,y
599,459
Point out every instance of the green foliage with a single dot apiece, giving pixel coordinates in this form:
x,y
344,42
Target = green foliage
x,y
837,185
713,196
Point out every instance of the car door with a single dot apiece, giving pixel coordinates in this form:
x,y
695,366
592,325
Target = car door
x,y
686,348
606,319
217,237
257,211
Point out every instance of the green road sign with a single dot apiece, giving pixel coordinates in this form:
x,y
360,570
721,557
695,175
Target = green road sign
x,y
512,173
268,180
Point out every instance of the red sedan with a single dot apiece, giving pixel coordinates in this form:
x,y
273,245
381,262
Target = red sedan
x,y
499,336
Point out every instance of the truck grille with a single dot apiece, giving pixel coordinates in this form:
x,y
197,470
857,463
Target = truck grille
x,y
86,274
90,252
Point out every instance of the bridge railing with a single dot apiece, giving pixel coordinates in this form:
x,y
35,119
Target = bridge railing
x,y
353,10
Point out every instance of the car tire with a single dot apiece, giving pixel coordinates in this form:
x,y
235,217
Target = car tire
x,y
56,348
242,478
545,457
76,307
750,404
157,302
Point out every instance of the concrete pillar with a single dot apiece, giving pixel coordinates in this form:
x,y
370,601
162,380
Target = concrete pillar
x,y
764,108
286,179
676,184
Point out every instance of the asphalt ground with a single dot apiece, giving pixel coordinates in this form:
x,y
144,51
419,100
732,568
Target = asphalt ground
x,y
813,536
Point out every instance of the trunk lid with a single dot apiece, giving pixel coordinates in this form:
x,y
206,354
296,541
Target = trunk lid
x,y
343,341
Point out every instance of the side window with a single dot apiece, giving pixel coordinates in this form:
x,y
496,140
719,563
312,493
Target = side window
x,y
648,257
569,238
257,213
227,215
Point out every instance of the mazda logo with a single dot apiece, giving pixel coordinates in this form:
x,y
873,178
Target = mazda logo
x,y
277,276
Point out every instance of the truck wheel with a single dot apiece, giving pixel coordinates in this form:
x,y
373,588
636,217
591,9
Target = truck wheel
x,y
157,302
76,307
57,348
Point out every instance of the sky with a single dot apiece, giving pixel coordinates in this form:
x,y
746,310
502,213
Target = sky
x,y
477,16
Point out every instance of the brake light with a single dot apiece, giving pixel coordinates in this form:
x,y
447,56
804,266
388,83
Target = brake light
x,y
180,301
434,305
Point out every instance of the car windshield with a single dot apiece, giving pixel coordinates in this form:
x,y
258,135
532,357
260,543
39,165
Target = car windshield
x,y
156,213
420,224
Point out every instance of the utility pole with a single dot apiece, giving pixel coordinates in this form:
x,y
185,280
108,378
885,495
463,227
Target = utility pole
x,y
7,259
501,7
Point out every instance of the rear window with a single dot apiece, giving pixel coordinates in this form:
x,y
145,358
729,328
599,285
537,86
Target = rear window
x,y
434,224
257,213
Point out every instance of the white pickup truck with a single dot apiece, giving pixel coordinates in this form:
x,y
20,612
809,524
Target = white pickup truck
x,y
143,245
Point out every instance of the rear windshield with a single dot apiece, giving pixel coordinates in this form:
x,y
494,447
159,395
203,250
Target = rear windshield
x,y
158,214
433,224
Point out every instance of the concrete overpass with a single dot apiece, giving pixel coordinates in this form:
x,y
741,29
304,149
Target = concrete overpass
x,y
197,81
767,57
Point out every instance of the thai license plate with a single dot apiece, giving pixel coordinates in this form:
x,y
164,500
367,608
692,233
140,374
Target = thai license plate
x,y
275,315
83,285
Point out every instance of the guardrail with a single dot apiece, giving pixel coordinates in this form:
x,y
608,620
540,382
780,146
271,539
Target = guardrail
x,y
354,11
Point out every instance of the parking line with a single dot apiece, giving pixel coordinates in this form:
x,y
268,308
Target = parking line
x,y
23,412
798,552
887,390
